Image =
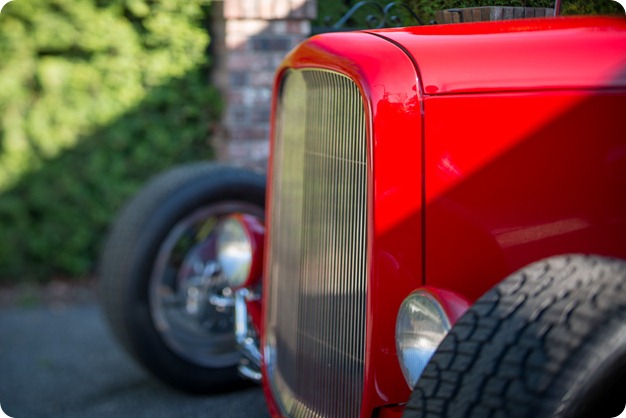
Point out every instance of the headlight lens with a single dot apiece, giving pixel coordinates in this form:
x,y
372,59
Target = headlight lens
x,y
420,327
234,252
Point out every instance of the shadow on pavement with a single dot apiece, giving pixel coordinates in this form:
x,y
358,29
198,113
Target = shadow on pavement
x,y
62,361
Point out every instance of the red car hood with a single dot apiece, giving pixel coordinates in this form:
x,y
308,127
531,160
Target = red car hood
x,y
494,56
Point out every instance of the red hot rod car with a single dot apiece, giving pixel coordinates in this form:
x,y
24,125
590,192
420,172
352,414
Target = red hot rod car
x,y
444,232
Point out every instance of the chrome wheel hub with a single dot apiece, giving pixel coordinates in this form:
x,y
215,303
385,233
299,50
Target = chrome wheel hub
x,y
191,305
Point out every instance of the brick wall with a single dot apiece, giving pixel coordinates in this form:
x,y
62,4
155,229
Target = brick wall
x,y
250,39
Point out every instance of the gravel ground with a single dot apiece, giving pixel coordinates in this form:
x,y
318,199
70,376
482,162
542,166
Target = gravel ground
x,y
55,294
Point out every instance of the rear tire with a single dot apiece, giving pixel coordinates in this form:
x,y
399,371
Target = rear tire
x,y
157,250
549,341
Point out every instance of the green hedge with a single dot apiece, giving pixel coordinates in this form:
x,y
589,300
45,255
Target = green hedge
x,y
95,97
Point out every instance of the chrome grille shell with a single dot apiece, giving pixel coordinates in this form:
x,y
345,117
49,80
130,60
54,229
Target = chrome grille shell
x,y
317,263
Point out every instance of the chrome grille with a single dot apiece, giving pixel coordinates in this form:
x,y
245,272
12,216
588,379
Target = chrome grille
x,y
315,323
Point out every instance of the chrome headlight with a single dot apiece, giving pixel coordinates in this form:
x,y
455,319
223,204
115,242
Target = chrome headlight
x,y
234,252
420,327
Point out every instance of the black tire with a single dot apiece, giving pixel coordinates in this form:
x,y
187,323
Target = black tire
x,y
156,233
549,341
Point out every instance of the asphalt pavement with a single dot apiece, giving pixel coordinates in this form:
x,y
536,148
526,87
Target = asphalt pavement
x,y
63,362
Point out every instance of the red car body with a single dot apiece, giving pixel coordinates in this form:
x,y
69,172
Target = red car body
x,y
489,146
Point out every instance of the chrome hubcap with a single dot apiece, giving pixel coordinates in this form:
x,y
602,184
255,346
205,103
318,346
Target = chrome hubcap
x,y
191,305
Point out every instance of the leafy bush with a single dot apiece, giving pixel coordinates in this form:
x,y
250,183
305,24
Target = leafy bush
x,y
95,96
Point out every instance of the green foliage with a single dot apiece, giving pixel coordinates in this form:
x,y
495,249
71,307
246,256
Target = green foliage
x,y
330,11
595,7
95,96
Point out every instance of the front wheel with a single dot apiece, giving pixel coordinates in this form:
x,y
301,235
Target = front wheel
x,y
160,283
549,341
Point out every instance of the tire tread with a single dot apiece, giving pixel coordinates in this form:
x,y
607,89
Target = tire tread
x,y
515,343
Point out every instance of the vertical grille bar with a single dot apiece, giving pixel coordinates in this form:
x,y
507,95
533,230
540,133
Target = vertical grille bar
x,y
315,345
